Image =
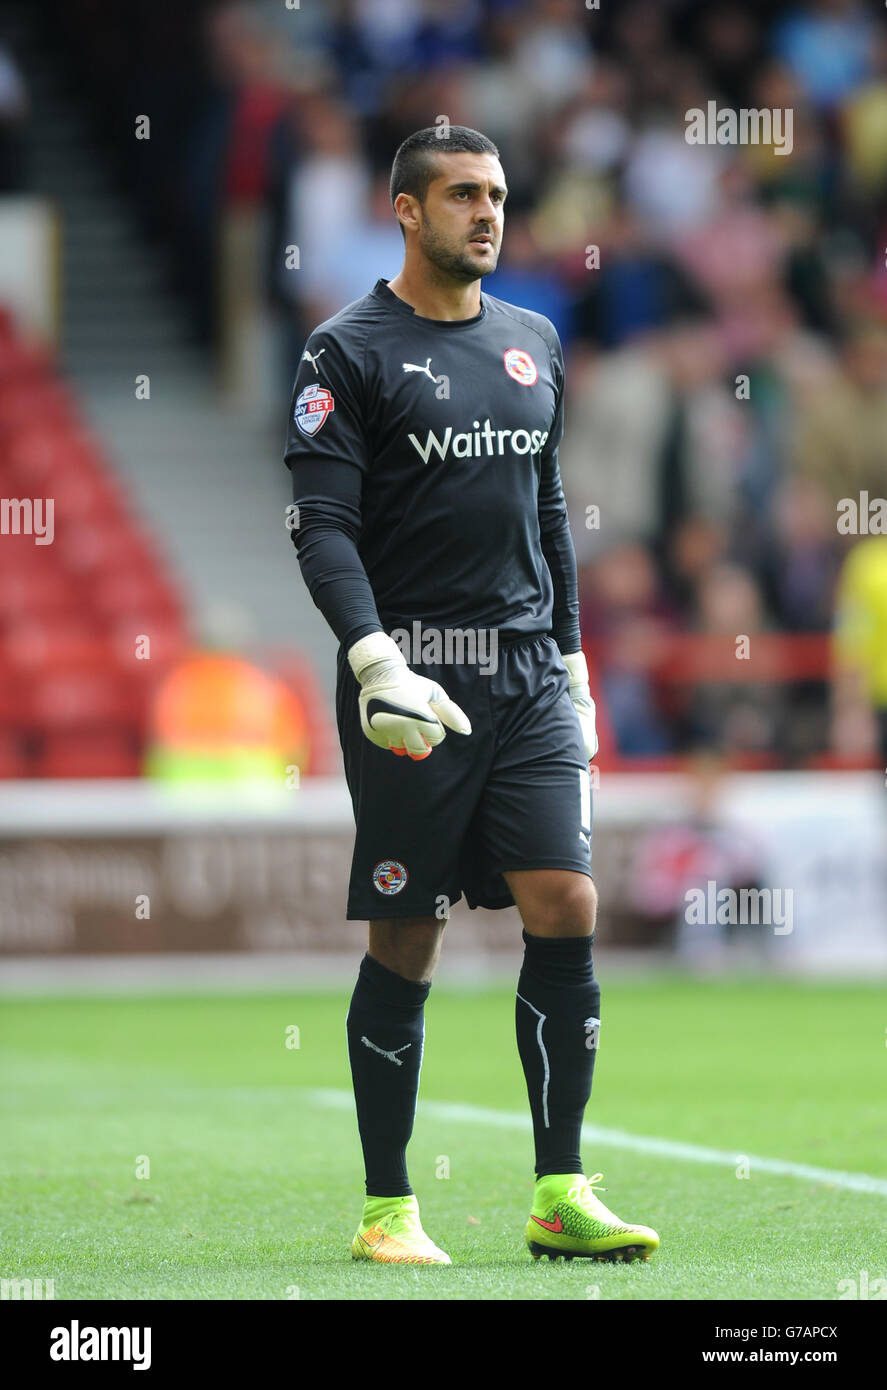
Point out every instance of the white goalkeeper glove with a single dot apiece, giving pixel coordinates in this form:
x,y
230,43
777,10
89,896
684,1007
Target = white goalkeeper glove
x,y
399,709
583,704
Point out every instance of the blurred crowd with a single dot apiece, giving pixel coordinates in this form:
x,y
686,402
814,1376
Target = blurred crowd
x,y
723,308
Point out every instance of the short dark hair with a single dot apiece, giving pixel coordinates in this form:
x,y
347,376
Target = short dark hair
x,y
414,164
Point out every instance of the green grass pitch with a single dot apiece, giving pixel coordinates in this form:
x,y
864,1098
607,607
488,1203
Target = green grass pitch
x,y
255,1180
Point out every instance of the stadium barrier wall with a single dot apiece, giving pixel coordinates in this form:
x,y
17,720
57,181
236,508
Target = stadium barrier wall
x,y
95,868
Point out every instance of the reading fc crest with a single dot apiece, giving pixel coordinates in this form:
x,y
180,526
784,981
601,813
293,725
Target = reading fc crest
x,y
390,877
520,366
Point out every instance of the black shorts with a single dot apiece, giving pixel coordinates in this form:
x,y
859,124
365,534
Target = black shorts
x,y
513,794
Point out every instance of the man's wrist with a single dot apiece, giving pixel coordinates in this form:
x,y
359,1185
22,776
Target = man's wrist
x,y
577,667
371,649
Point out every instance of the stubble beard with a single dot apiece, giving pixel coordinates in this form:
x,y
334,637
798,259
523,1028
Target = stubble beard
x,y
450,260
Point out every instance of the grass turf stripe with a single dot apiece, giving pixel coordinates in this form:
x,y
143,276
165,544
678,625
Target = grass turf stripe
x,y
619,1139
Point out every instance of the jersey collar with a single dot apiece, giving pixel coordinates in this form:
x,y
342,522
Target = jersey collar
x,y
381,290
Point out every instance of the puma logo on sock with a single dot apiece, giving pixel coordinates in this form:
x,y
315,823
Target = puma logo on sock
x,y
392,1056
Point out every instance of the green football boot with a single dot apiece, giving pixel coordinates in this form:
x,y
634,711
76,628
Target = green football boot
x,y
390,1233
568,1219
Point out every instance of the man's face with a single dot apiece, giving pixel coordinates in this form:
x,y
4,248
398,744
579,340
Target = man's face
x,y
460,224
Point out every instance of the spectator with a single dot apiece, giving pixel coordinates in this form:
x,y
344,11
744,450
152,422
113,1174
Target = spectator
x,y
827,45
325,190
727,712
841,437
860,686
800,568
626,621
366,245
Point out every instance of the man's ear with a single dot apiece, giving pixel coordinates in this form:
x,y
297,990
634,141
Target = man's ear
x,y
405,208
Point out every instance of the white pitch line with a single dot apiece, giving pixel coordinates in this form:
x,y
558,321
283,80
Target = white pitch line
x,y
637,1143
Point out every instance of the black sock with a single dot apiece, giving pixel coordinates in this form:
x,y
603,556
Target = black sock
x,y
557,1014
386,1034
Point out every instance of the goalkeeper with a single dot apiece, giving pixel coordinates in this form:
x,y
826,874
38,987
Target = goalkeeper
x,y
423,439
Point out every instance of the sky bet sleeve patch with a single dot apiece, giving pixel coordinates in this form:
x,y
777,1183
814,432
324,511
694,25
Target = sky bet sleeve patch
x,y
312,407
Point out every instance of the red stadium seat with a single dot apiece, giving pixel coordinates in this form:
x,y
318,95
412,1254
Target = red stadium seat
x,y
20,555
71,612
49,462
76,643
16,700
103,753
81,698
41,591
33,455
85,496
97,548
34,404
19,360
124,594
14,760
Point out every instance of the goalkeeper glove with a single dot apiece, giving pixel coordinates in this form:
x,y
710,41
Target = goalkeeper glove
x,y
399,709
583,704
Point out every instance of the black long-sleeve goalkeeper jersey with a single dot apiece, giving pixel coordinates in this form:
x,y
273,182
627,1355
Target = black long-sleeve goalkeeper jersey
x,y
424,462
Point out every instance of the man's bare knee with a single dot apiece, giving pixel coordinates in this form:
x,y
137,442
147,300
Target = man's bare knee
x,y
558,904
408,946
572,912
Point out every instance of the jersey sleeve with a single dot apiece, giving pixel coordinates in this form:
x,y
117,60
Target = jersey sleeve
x,y
327,452
328,419
554,525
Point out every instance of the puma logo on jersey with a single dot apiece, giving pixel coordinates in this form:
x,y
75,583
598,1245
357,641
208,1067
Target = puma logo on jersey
x,y
307,357
484,440
426,370
392,1056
